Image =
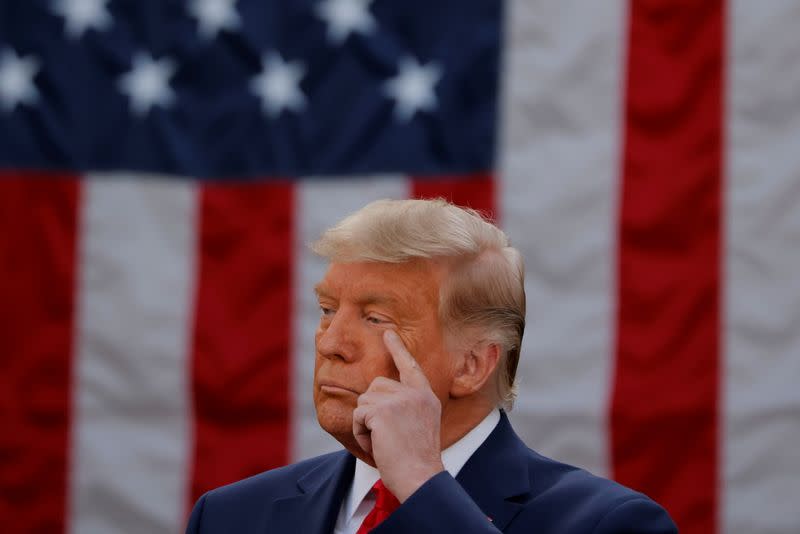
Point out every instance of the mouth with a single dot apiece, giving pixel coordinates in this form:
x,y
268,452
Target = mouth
x,y
332,388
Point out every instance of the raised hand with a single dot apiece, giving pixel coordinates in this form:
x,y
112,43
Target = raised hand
x,y
398,424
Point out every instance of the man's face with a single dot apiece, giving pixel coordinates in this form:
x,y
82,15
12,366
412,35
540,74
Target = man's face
x,y
358,302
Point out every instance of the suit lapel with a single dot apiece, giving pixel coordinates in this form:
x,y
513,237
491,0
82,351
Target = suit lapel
x,y
496,476
314,508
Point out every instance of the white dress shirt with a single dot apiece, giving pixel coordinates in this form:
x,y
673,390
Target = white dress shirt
x,y
360,500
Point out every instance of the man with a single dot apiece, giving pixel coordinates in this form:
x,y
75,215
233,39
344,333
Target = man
x,y
422,311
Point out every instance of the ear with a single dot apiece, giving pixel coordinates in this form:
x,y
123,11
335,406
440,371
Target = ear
x,y
474,368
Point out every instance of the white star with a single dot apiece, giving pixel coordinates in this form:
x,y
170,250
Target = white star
x,y
344,17
278,85
412,88
16,80
147,83
80,15
214,15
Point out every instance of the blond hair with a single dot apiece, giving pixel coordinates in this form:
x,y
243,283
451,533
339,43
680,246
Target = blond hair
x,y
484,291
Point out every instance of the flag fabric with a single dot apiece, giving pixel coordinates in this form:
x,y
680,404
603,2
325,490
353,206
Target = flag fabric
x,y
164,165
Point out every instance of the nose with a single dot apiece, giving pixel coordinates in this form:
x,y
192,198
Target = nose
x,y
336,340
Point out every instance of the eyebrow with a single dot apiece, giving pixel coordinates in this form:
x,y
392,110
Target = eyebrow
x,y
366,300
318,291
377,299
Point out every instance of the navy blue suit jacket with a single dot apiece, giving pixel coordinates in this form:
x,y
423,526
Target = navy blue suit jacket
x,y
503,487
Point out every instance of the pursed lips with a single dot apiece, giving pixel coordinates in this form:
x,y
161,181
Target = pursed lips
x,y
334,387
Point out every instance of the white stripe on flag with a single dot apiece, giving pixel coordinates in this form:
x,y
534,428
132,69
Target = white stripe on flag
x,y
558,192
761,404
319,204
131,398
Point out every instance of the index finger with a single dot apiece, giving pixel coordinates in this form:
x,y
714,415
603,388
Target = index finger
x,y
410,371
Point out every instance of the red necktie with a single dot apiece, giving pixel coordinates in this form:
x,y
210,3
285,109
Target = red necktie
x,y
385,504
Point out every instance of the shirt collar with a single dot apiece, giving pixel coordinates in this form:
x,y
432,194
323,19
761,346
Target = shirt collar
x,y
456,455
453,457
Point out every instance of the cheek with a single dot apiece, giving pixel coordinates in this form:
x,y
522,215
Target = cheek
x,y
438,370
376,361
436,363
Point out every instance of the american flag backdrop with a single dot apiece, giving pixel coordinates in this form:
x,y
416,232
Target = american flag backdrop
x,y
164,164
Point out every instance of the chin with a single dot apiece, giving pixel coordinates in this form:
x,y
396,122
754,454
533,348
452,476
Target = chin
x,y
335,417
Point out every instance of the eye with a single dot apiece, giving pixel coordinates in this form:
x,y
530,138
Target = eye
x,y
325,311
375,319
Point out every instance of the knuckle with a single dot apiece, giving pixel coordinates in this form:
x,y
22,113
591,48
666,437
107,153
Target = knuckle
x,y
424,396
384,381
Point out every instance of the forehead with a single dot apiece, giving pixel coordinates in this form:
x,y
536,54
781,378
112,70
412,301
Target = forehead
x,y
411,283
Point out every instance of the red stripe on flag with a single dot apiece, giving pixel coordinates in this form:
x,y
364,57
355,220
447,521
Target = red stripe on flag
x,y
242,332
664,405
38,225
476,191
